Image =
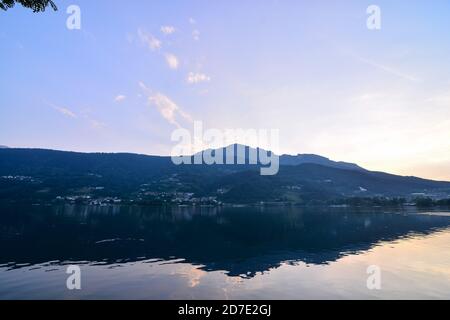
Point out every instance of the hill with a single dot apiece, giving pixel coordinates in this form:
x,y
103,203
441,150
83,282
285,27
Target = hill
x,y
44,175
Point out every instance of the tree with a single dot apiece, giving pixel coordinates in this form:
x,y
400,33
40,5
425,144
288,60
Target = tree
x,y
424,202
35,5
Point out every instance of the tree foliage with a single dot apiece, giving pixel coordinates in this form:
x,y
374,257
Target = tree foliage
x,y
35,5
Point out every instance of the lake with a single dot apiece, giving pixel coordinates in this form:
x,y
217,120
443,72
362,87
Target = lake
x,y
132,252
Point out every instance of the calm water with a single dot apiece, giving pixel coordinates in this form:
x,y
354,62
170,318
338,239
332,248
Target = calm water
x,y
128,252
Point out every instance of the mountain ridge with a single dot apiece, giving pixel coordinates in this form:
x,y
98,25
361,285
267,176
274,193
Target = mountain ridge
x,y
47,174
285,159
305,158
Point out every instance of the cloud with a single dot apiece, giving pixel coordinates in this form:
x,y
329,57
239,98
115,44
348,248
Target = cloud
x,y
172,61
193,78
149,40
167,30
130,38
96,124
64,111
440,100
168,109
120,98
389,70
196,35
144,87
369,97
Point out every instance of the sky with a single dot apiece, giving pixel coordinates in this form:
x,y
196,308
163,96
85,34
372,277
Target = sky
x,y
135,72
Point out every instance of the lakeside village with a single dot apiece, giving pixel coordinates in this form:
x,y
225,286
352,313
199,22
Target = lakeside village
x,y
188,199
153,198
146,195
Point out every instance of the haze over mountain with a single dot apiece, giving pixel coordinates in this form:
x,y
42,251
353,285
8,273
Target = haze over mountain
x,y
46,174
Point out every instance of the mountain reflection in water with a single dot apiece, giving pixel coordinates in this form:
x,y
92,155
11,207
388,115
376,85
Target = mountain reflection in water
x,y
239,241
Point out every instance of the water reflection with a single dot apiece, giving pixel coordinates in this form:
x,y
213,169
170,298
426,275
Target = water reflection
x,y
241,242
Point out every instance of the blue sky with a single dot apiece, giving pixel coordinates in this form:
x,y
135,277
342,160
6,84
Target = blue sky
x,y
311,69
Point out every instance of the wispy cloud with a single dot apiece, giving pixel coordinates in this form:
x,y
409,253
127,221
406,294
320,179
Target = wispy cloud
x,y
64,111
168,29
155,44
96,124
196,32
389,70
149,40
440,100
193,78
196,35
120,98
83,116
168,109
172,61
130,38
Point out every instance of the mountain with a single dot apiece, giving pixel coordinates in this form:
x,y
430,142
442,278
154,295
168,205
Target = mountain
x,y
44,175
242,153
315,159
3,147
